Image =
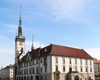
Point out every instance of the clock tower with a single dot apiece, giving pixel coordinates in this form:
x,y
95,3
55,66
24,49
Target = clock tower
x,y
19,42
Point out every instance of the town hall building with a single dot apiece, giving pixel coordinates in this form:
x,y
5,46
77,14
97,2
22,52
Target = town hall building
x,y
53,62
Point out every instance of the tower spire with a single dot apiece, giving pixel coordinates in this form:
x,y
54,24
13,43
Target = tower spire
x,y
20,35
20,20
32,48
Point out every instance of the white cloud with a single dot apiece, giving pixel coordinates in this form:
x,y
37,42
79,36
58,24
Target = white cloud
x,y
94,52
65,8
60,9
56,9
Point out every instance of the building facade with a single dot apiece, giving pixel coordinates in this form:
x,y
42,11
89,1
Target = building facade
x,y
53,62
7,73
97,69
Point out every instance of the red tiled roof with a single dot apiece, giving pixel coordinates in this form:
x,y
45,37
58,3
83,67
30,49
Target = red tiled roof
x,y
60,51
69,51
96,61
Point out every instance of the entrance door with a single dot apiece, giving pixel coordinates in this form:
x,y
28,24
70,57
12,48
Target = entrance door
x,y
56,75
37,77
76,77
31,78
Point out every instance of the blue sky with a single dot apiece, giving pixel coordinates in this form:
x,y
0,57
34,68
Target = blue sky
x,y
74,23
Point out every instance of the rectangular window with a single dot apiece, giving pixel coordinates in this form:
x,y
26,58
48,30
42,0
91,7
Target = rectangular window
x,y
63,61
86,62
76,61
90,63
64,68
81,62
56,68
41,69
30,71
37,70
70,61
86,69
33,70
45,61
45,68
81,69
56,60
90,69
41,60
76,68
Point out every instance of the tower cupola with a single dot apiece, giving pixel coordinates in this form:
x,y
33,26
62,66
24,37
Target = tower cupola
x,y
20,35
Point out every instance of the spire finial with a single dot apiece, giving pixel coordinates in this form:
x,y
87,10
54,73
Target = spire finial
x,y
20,16
32,48
20,11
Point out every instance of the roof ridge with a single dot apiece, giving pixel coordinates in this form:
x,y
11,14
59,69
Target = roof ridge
x,y
66,46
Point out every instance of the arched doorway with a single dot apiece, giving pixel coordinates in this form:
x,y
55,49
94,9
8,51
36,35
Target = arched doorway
x,y
19,78
37,77
24,77
76,77
27,77
31,78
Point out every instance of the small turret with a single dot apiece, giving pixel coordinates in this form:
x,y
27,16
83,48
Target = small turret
x,y
32,48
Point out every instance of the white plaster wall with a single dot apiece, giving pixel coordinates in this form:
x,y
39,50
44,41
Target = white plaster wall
x,y
37,65
60,64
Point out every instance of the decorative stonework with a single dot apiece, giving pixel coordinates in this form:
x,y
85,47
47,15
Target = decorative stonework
x,y
56,75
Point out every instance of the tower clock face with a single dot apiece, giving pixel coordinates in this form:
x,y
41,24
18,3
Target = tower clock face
x,y
20,43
